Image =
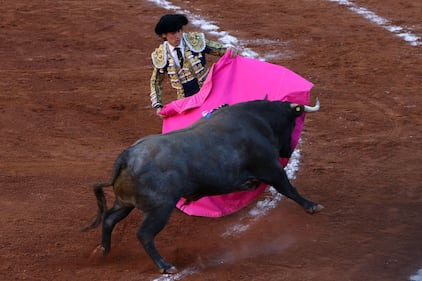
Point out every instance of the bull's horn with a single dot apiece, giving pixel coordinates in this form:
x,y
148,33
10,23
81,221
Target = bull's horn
x,y
314,108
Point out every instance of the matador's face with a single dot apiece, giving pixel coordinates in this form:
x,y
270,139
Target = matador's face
x,y
174,37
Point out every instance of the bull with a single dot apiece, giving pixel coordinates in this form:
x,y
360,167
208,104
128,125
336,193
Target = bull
x,y
237,148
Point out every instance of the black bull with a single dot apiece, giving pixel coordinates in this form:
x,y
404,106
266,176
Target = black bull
x,y
235,149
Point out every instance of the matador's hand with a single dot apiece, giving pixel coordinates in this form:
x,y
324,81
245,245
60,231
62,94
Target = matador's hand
x,y
158,113
234,52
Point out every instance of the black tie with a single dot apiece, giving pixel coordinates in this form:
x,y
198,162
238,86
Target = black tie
x,y
179,56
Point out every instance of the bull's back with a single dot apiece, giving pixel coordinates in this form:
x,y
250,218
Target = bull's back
x,y
215,150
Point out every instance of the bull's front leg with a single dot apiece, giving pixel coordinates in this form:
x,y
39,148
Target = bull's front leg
x,y
283,185
154,222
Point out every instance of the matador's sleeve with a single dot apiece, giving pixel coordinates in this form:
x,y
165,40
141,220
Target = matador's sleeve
x,y
215,48
156,88
159,61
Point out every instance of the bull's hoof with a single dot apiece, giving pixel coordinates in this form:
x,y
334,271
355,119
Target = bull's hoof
x,y
171,270
315,209
99,251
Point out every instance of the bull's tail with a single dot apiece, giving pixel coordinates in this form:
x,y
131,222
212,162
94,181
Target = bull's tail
x,y
119,164
101,203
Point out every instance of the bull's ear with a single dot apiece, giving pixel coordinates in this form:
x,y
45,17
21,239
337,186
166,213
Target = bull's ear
x,y
266,97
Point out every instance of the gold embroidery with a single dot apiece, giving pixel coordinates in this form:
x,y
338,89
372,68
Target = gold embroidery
x,y
159,57
195,41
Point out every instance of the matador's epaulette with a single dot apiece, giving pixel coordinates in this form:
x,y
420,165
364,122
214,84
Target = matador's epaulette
x,y
159,56
195,41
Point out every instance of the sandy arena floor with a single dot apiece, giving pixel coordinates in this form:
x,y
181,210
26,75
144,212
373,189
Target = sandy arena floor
x,y
74,92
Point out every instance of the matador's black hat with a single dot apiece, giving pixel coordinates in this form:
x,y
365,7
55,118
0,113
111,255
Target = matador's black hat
x,y
170,23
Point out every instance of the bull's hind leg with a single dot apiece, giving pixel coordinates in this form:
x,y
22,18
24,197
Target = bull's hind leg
x,y
283,185
117,213
154,222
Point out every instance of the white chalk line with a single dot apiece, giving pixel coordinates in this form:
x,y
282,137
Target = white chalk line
x,y
404,33
417,276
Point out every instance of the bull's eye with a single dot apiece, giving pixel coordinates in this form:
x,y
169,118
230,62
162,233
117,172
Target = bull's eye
x,y
298,109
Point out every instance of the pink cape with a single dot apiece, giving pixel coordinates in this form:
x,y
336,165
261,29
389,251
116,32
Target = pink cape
x,y
230,81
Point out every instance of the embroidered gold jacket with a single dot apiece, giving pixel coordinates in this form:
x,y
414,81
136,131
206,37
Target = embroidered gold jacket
x,y
194,65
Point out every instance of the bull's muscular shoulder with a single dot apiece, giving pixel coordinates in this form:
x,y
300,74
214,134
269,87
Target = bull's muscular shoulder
x,y
159,56
195,41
